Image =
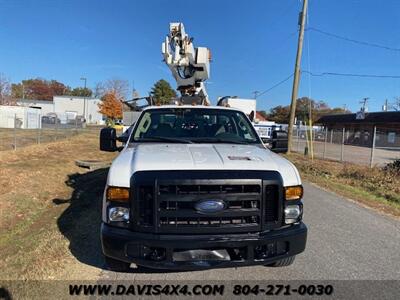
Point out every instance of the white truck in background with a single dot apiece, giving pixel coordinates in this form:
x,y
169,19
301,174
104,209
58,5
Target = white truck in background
x,y
248,106
264,129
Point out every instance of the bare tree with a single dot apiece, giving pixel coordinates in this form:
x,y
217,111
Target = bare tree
x,y
119,87
5,90
396,104
99,90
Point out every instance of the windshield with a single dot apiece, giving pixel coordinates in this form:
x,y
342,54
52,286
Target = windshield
x,y
194,125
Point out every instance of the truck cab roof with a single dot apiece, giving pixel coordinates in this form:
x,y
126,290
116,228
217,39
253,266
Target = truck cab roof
x,y
191,107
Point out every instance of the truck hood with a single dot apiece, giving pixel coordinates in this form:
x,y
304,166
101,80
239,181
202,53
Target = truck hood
x,y
164,156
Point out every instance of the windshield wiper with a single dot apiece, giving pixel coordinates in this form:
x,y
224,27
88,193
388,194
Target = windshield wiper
x,y
165,139
216,140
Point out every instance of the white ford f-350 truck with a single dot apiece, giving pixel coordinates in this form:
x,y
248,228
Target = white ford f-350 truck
x,y
194,187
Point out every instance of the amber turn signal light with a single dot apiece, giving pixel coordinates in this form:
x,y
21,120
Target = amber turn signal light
x,y
294,192
119,194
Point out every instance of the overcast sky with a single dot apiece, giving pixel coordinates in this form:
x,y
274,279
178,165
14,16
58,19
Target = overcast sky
x,y
253,45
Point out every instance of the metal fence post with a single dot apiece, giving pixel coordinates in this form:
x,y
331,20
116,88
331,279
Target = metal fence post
x,y
56,129
342,148
15,131
331,136
38,129
371,162
326,137
298,139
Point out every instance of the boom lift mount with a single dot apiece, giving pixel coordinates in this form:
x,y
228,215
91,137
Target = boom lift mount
x,y
189,65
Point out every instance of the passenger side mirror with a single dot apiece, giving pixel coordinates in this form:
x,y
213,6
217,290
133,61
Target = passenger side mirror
x,y
108,139
279,141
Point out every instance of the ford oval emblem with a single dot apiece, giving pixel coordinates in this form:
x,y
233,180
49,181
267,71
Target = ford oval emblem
x,y
210,206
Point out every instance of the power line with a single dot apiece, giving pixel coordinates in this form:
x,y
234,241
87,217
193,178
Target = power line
x,y
349,75
353,40
275,85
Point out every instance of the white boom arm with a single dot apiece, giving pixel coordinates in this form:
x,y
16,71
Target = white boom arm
x,y
190,66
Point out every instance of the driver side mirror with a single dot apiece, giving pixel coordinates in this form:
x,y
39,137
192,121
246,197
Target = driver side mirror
x,y
279,141
108,139
123,138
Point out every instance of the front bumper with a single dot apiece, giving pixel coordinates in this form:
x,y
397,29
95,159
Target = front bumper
x,y
125,245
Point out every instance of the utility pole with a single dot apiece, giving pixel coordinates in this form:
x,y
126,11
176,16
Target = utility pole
x,y
364,103
296,79
385,106
256,93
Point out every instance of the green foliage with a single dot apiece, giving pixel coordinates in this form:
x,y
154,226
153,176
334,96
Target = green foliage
x,y
280,114
81,92
162,92
39,89
16,90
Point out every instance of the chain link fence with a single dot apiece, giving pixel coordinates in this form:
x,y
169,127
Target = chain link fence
x,y
375,146
45,130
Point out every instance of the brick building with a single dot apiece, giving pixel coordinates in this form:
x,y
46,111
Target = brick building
x,y
359,128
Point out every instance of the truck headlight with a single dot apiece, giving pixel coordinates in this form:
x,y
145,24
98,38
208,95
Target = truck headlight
x,y
118,205
292,214
118,214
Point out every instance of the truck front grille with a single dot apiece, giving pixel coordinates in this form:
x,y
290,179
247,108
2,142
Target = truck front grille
x,y
145,204
178,214
169,206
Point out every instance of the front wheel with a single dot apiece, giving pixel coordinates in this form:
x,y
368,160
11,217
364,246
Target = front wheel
x,y
284,262
116,265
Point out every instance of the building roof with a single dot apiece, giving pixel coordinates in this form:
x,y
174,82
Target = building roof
x,y
34,100
371,118
260,116
75,97
26,100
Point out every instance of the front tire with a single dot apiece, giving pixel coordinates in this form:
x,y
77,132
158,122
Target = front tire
x,y
284,262
116,265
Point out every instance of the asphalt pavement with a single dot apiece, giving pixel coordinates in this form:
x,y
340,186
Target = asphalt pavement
x,y
345,242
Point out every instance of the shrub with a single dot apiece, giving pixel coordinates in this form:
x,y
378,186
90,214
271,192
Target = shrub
x,y
393,167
